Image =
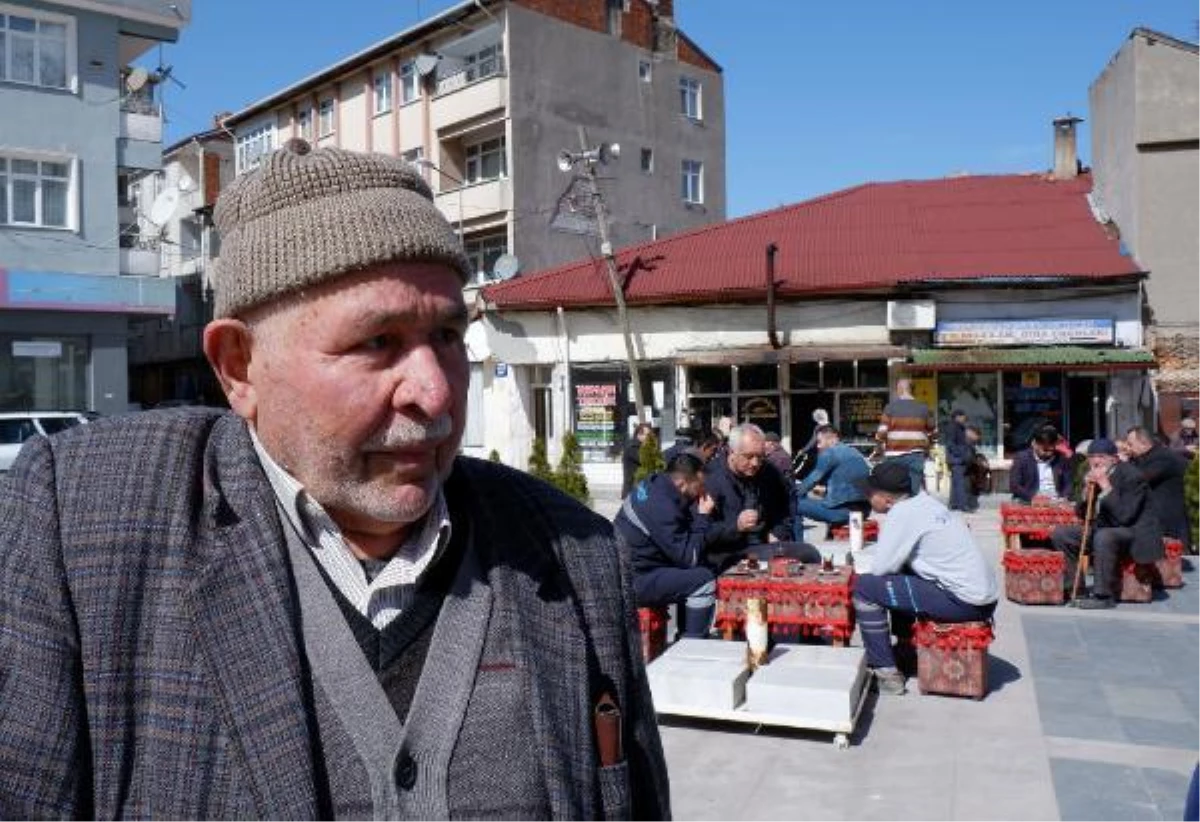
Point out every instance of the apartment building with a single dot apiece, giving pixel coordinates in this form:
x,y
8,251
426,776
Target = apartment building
x,y
484,97
166,225
73,123
1145,109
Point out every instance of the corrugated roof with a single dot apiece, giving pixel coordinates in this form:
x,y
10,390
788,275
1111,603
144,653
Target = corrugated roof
x,y
876,236
1050,356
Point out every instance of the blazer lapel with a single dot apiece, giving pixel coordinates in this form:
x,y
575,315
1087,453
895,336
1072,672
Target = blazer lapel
x,y
246,626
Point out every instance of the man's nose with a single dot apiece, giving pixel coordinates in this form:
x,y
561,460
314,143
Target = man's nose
x,y
424,383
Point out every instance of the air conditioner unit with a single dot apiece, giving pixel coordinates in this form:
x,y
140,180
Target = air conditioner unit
x,y
911,315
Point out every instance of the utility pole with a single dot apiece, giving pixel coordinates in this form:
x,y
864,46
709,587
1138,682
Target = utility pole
x,y
589,157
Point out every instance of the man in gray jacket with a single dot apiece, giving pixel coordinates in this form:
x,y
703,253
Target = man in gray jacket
x,y
925,563
311,606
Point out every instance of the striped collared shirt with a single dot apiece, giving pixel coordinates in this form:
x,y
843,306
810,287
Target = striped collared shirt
x,y
378,589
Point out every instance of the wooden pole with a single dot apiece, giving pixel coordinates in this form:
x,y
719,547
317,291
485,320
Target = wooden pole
x,y
1088,516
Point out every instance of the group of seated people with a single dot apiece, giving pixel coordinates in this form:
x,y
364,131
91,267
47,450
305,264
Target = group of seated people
x,y
687,524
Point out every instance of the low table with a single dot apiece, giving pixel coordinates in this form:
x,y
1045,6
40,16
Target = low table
x,y
801,599
1019,522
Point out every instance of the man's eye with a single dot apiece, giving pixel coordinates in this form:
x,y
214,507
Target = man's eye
x,y
377,343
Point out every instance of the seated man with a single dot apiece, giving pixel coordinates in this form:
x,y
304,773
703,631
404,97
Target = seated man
x,y
924,564
665,537
839,468
1041,470
1125,523
777,455
1163,471
752,506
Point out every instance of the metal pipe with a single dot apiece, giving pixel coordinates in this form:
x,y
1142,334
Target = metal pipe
x,y
771,335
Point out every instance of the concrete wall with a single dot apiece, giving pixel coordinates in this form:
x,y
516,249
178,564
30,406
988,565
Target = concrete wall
x,y
563,76
84,125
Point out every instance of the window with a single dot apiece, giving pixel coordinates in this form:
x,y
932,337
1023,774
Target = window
x,y
692,182
35,192
253,145
325,118
304,123
484,63
689,97
383,92
647,161
645,71
486,160
484,251
37,48
189,239
615,9
409,86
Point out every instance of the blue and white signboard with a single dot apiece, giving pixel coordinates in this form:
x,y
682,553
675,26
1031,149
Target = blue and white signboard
x,y
951,333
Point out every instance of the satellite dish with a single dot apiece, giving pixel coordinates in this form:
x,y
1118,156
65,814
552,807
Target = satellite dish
x,y
186,183
426,63
164,206
136,79
505,267
565,160
609,151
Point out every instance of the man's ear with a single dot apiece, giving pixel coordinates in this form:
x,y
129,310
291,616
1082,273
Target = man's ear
x,y
228,345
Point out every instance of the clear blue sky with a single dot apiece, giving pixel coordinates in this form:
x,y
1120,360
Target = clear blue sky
x,y
820,94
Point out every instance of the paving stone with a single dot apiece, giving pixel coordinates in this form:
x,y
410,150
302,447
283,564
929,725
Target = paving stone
x,y
1178,734
1168,789
1144,703
1099,790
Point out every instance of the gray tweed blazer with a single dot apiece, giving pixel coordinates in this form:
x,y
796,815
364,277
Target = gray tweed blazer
x,y
150,660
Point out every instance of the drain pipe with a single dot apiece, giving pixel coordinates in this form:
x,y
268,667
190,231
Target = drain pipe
x,y
568,417
771,335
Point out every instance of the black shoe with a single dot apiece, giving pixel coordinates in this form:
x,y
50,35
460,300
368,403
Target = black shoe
x,y
1094,603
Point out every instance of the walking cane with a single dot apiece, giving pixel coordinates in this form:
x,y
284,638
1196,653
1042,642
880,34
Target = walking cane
x,y
1088,515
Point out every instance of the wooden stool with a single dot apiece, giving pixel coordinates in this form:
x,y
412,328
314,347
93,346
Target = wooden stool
x,y
952,657
653,624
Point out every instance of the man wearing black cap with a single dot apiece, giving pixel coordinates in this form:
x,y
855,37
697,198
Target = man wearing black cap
x,y
925,563
1125,524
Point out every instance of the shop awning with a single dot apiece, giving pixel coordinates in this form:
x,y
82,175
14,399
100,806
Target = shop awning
x,y
1057,357
790,353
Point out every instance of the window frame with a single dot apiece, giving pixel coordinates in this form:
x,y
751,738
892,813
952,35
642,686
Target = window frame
x,y
381,92
646,161
325,106
687,194
478,250
645,70
691,98
409,77
304,123
245,157
70,46
68,180
475,154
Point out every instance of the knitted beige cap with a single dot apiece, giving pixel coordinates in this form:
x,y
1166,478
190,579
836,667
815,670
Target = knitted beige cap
x,y
307,216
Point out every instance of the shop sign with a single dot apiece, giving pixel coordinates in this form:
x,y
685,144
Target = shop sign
x,y
596,418
45,349
1023,332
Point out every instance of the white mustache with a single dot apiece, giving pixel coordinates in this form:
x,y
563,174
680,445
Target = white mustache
x,y
405,433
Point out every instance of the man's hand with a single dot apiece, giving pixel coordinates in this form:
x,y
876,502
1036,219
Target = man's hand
x,y
747,520
706,504
1099,476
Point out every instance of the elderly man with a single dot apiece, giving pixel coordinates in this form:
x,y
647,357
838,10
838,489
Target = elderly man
x,y
906,431
663,523
839,469
752,507
311,607
1041,470
1125,524
1163,471
925,563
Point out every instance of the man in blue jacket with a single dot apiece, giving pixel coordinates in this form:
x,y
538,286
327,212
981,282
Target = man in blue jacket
x,y
663,522
1041,470
839,468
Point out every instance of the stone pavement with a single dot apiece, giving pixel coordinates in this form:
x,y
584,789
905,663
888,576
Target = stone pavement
x,y
1091,715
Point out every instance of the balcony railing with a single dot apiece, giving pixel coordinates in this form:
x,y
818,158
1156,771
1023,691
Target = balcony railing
x,y
468,74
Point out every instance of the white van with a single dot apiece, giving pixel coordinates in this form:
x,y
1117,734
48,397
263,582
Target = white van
x,y
18,426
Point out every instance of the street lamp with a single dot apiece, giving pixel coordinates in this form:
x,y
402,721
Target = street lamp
x,y
589,157
427,163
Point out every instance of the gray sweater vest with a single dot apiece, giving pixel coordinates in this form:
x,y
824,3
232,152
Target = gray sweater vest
x,y
464,749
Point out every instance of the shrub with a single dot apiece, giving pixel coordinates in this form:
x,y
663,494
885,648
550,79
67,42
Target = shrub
x,y
570,477
494,456
539,465
1191,493
650,460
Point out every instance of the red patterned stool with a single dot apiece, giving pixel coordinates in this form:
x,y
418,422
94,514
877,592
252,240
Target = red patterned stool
x,y
870,531
1136,582
653,624
1168,571
1034,576
952,657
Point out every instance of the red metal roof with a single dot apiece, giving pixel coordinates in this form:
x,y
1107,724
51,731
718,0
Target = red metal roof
x,y
876,236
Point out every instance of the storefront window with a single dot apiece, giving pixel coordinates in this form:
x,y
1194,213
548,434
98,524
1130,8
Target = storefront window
x,y
805,375
872,374
710,379
977,395
605,412
758,377
763,411
43,373
839,373
1031,399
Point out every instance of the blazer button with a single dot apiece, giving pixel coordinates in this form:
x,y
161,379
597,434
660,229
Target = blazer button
x,y
406,772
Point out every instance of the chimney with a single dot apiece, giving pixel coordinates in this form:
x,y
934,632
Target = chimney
x,y
1066,154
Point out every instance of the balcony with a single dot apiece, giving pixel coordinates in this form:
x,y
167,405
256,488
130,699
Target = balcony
x,y
139,143
477,201
469,87
140,262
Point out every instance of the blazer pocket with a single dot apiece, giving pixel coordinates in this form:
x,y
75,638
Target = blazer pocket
x,y
614,790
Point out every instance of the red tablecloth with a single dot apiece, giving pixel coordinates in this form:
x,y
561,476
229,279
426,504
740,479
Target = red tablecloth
x,y
800,599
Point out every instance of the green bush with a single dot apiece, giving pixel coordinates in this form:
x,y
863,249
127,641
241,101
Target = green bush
x,y
539,465
650,460
1191,493
494,456
570,477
